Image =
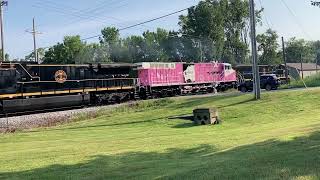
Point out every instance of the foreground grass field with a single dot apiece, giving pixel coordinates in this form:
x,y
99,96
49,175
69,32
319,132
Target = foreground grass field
x,y
275,138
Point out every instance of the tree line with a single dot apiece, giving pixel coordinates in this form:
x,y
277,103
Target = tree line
x,y
212,30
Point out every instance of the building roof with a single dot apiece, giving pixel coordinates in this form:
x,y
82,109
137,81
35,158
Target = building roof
x,y
305,66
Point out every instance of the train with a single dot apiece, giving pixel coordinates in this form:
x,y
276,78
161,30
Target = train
x,y
31,86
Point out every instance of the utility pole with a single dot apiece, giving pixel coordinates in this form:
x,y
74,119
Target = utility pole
x,y
317,62
285,60
34,41
255,69
301,64
2,3
201,52
34,33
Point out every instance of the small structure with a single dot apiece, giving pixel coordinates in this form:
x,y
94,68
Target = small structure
x,y
302,70
205,116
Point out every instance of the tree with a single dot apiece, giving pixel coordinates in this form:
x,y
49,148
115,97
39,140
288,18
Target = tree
x,y
114,44
236,21
268,46
212,30
154,45
41,53
66,52
136,48
93,53
300,48
316,49
6,56
225,23
206,20
110,35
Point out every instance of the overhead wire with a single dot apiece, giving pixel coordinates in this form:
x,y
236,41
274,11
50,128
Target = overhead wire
x,y
82,15
267,20
78,15
138,24
298,23
56,8
142,23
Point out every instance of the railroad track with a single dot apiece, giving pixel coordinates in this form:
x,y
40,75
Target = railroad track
x,y
6,115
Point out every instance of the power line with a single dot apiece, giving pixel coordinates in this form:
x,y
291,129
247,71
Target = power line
x,y
142,23
81,15
92,13
161,17
84,14
265,16
296,19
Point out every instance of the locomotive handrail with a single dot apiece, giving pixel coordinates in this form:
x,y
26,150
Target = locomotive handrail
x,y
104,85
83,80
25,70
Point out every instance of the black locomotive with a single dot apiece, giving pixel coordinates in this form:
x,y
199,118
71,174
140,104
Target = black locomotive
x,y
27,86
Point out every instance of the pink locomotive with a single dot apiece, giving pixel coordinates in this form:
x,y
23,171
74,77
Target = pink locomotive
x,y
163,79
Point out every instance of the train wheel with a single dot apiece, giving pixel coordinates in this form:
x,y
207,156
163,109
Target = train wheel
x,y
268,87
243,89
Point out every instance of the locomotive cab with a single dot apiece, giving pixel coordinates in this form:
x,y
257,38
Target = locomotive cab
x,y
8,80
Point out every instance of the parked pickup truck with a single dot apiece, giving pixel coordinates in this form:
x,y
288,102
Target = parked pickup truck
x,y
268,82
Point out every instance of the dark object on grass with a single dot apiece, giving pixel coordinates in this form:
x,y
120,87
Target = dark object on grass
x,y
206,116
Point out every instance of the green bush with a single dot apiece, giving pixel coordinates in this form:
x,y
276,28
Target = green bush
x,y
311,81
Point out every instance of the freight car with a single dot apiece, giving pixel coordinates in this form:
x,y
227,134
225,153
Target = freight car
x,y
27,86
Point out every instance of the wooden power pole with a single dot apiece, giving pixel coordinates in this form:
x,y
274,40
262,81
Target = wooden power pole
x,y
34,41
255,68
2,3
301,66
285,60
34,33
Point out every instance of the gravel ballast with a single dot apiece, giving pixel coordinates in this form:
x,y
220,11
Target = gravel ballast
x,y
11,124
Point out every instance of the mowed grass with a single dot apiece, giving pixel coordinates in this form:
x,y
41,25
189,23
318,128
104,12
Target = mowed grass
x,y
275,138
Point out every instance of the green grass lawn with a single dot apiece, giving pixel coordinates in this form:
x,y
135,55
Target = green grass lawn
x,y
275,138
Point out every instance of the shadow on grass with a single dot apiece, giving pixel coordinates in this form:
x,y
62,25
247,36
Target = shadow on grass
x,y
99,125
198,101
237,103
195,102
271,159
185,125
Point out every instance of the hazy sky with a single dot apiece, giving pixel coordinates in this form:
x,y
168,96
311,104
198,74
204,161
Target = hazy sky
x,y
57,18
